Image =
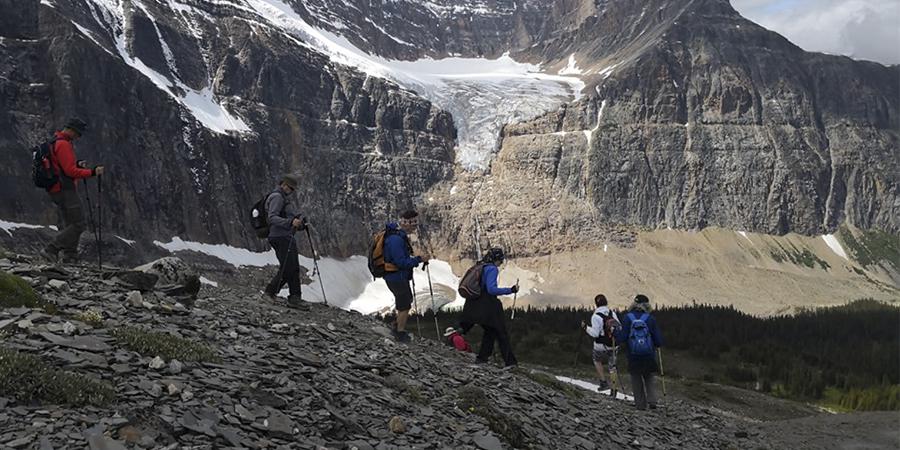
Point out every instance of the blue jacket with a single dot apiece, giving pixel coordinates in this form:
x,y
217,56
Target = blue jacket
x,y
489,281
398,253
640,364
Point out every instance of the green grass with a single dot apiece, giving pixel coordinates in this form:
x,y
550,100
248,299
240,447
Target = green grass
x,y
878,398
475,401
16,292
28,379
873,247
166,346
798,257
413,393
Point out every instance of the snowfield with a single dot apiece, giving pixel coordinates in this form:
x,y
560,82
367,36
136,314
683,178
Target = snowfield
x,y
482,94
348,283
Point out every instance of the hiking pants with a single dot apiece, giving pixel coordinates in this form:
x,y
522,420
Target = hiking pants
x,y
70,223
499,334
644,388
289,270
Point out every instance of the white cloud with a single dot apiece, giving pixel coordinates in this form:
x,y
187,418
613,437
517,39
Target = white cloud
x,y
862,29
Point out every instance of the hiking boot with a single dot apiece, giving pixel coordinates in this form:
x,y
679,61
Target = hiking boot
x,y
295,302
69,260
602,385
50,254
653,406
403,337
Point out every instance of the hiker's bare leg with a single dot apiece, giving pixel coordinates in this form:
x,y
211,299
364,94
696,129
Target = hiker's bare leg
x,y
402,317
601,374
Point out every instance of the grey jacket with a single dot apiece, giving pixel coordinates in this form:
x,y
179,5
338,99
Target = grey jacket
x,y
281,212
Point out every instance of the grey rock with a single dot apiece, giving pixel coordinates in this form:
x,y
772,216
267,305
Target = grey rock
x,y
136,279
134,298
156,363
279,425
487,441
100,442
87,343
175,366
58,285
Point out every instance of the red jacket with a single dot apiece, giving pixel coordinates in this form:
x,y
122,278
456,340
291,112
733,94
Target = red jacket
x,y
62,157
460,343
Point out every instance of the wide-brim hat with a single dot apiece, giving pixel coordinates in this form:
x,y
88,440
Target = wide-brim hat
x,y
77,124
449,331
290,181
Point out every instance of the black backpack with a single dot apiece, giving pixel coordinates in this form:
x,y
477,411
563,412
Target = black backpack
x,y
470,285
41,167
609,322
259,217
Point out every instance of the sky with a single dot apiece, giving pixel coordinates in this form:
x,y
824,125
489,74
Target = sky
x,y
862,29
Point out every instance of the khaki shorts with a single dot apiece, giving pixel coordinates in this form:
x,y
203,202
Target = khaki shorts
x,y
602,356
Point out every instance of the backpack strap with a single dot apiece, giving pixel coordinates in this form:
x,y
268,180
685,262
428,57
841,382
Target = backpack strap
x,y
631,317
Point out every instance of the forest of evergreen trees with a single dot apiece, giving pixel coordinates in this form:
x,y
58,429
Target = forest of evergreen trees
x,y
846,356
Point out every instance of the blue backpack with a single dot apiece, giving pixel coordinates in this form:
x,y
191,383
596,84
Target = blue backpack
x,y
639,340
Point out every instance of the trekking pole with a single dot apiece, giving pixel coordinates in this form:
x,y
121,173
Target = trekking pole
x,y
316,270
100,222
87,196
515,296
614,369
577,349
416,303
662,372
437,328
283,261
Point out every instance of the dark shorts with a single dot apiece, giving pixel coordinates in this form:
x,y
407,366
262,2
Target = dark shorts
x,y
403,296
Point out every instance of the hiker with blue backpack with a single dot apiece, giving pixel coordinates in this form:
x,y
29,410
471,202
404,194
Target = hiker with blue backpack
x,y
479,287
641,334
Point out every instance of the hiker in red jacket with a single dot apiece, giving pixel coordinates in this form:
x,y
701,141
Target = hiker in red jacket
x,y
64,194
457,340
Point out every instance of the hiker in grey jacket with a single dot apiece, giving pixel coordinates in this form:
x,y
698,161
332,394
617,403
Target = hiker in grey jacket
x,y
284,220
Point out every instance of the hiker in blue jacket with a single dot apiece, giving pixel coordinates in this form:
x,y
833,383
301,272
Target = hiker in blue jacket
x,y
487,311
399,264
642,345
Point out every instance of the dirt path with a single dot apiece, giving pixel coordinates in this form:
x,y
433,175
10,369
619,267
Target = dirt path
x,y
856,431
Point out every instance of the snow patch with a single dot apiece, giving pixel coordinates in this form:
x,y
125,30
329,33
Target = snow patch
x,y
606,72
571,68
201,104
744,234
237,257
8,227
835,245
209,282
593,387
127,241
348,283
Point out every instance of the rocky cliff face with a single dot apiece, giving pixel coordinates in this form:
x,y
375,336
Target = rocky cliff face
x,y
195,124
691,117
698,118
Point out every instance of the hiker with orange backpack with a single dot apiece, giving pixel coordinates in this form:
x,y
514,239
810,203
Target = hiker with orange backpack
x,y
604,323
391,257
